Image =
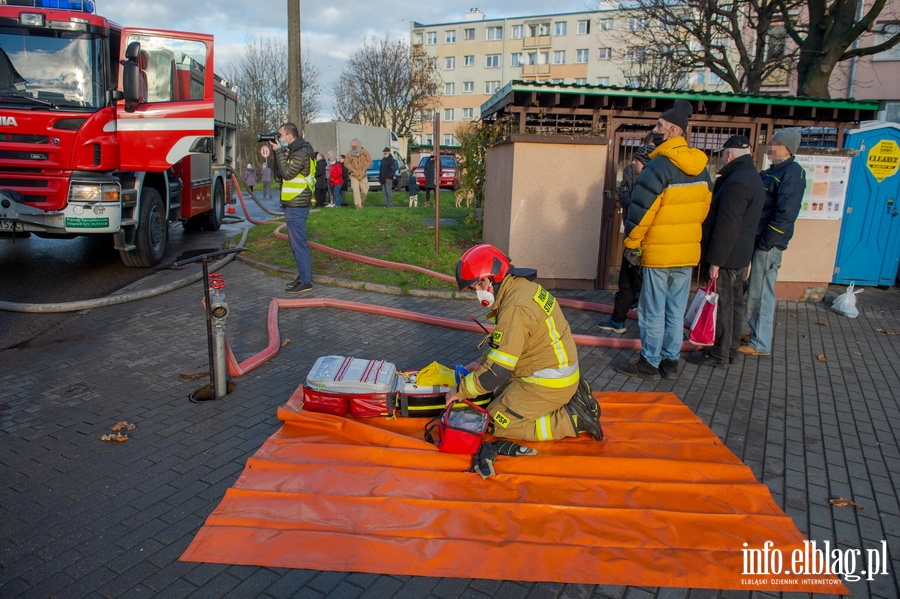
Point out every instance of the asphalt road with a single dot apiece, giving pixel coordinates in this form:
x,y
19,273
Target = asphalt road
x,y
44,271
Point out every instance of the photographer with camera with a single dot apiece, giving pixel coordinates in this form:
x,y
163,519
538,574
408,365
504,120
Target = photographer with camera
x,y
295,166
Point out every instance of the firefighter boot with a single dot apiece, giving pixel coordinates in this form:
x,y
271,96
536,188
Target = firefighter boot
x,y
585,411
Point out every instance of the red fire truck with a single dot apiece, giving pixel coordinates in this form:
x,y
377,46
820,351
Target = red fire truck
x,y
109,130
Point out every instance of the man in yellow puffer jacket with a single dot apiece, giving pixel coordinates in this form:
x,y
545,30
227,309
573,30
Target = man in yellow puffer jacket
x,y
663,232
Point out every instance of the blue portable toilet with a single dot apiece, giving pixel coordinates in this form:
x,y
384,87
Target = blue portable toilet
x,y
868,250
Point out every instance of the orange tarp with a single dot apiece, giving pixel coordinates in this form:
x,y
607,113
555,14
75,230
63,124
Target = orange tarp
x,y
659,502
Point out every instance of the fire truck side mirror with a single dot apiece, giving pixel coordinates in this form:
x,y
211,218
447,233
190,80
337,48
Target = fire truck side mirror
x,y
132,78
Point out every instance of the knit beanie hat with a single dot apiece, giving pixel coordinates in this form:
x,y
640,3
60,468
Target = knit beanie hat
x,y
789,138
679,114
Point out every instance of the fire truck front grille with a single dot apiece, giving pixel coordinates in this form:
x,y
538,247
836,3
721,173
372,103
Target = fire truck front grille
x,y
25,139
22,183
10,155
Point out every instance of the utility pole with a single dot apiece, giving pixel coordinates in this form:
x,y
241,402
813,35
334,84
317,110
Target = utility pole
x,y
295,70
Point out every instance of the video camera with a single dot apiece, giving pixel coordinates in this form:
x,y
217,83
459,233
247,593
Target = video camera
x,y
264,137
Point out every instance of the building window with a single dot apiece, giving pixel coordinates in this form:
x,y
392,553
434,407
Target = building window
x,y
515,59
638,23
418,38
581,56
432,62
701,78
632,81
468,87
468,34
580,81
449,89
449,63
559,57
560,28
584,27
448,114
494,33
491,87
557,81
517,32
884,32
428,115
429,140
606,24
635,53
715,79
492,61
449,140
604,54
431,38
469,60
538,57
468,113
450,37
602,80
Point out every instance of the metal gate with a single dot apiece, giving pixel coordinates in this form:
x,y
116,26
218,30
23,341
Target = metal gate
x,y
626,136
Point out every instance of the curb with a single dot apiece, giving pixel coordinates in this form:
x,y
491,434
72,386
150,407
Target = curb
x,y
359,286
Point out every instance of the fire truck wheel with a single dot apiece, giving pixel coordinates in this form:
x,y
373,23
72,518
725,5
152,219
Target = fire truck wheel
x,y
152,232
212,219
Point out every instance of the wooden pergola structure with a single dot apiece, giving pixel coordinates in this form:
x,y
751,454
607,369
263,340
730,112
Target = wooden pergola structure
x,y
626,115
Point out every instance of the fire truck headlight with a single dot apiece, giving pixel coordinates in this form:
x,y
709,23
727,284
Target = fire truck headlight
x,y
83,192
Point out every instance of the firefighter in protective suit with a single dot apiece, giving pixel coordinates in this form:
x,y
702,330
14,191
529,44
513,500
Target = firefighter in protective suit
x,y
532,363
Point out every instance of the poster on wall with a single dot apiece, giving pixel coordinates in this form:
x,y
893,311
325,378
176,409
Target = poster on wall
x,y
826,186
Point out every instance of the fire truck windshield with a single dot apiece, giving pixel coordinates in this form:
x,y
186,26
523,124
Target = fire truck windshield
x,y
61,70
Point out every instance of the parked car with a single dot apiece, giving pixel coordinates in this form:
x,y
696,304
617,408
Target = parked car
x,y
447,176
401,177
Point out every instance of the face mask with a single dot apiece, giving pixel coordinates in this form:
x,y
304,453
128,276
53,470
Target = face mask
x,y
486,298
281,144
657,138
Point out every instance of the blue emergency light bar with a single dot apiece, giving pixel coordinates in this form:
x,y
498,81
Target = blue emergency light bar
x,y
86,6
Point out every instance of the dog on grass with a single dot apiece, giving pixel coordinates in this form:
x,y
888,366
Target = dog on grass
x,y
464,195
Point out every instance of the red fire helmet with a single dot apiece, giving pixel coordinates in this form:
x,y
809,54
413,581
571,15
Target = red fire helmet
x,y
478,262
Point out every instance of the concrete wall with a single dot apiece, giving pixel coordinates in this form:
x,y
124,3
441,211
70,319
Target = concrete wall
x,y
543,205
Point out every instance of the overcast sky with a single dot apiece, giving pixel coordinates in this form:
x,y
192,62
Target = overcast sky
x,y
331,31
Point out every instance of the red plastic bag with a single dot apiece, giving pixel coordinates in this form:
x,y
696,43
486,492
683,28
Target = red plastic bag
x,y
705,307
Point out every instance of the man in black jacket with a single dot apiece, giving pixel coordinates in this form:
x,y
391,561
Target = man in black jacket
x,y
729,236
785,182
386,176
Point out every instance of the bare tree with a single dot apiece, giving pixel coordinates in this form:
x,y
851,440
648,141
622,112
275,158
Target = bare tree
x,y
826,33
386,85
262,87
740,41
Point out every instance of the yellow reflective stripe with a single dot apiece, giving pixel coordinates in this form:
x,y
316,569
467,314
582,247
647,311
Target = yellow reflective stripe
x,y
776,230
556,343
553,383
542,428
503,359
470,386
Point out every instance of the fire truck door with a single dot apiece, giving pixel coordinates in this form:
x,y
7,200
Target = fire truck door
x,y
174,115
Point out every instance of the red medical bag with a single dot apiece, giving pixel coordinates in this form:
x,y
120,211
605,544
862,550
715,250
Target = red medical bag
x,y
337,385
459,427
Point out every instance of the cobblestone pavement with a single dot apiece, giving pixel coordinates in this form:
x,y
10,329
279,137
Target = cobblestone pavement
x,y
83,518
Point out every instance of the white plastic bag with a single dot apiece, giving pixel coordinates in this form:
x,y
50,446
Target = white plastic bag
x,y
845,303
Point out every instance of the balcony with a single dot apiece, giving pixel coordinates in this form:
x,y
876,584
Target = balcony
x,y
536,41
536,70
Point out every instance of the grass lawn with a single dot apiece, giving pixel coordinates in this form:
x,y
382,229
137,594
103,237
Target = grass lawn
x,y
398,234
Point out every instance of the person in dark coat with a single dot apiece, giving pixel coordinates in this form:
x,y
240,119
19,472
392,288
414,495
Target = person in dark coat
x,y
386,176
729,236
428,172
630,277
785,182
321,180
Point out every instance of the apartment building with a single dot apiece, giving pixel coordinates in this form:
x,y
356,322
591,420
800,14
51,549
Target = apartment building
x,y
478,55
